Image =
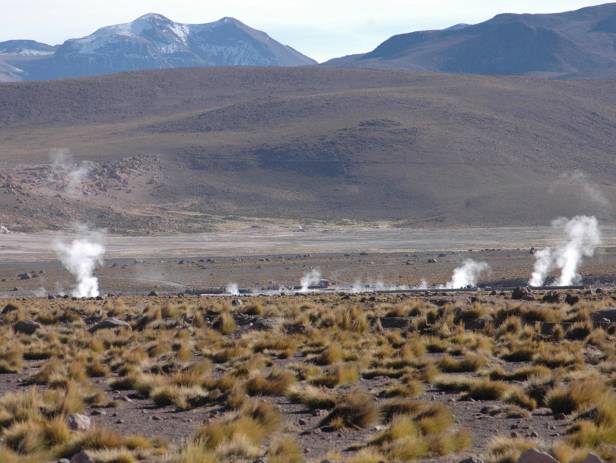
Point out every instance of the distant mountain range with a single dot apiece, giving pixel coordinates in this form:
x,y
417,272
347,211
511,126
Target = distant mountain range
x,y
150,42
576,44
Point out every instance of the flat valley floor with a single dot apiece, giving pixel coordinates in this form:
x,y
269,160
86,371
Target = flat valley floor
x,y
262,257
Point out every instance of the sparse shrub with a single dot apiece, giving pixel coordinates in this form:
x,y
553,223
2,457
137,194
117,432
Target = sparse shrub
x,y
285,450
576,396
354,410
469,363
225,323
275,384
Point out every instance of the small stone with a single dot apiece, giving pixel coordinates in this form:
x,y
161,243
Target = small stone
x,y
97,412
120,421
110,323
471,460
536,456
302,422
82,457
78,422
514,435
534,434
156,418
592,458
26,327
560,416
571,299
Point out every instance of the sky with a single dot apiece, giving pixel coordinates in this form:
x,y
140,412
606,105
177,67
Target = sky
x,y
321,29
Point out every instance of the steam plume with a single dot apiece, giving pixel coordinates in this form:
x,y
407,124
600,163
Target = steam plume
x,y
67,172
543,265
233,289
309,279
582,238
467,275
81,257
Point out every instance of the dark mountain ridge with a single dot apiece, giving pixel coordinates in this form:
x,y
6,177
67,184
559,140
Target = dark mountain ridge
x,y
575,44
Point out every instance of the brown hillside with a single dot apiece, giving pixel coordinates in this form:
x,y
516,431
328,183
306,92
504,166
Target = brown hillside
x,y
172,147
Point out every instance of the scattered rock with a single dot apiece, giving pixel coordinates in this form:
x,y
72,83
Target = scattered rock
x,y
551,298
26,327
64,460
152,294
110,323
97,412
394,323
82,457
571,299
24,276
604,316
472,460
536,456
432,261
78,422
9,308
302,422
592,458
522,293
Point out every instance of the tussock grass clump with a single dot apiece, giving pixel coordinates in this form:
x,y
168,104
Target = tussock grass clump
x,y
225,323
345,373
405,440
521,374
488,390
285,450
240,434
27,437
314,398
352,319
275,384
354,410
330,355
182,397
197,452
468,363
578,395
508,450
407,388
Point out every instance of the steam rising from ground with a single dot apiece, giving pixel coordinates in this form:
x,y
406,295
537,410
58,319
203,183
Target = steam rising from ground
x,y
233,289
65,170
81,257
586,187
359,287
582,236
309,279
467,275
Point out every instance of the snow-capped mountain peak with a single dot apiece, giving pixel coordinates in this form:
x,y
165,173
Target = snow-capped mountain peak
x,y
154,41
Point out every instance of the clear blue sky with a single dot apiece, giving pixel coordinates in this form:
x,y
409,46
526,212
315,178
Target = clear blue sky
x,y
322,29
